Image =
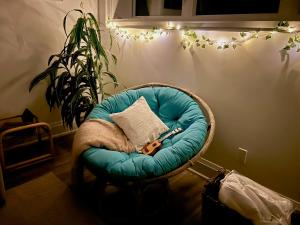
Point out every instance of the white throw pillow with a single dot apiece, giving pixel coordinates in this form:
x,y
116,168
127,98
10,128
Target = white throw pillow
x,y
139,123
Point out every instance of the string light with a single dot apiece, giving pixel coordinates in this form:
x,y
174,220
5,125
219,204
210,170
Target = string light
x,y
291,29
136,34
170,26
178,27
111,25
190,39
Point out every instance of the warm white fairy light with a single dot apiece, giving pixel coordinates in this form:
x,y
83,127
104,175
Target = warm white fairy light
x,y
157,33
178,27
291,29
221,42
170,26
255,34
137,34
142,38
111,25
190,39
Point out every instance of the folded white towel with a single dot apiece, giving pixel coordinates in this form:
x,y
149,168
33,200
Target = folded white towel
x,y
254,201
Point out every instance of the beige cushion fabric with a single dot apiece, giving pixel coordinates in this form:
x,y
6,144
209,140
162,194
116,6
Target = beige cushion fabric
x,y
139,123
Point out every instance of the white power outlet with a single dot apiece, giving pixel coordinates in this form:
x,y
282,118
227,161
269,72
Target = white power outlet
x,y
242,155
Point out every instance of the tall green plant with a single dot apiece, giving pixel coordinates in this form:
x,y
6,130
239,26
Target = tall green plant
x,y
79,73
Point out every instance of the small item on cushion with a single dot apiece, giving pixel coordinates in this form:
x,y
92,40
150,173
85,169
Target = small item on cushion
x,y
139,123
153,147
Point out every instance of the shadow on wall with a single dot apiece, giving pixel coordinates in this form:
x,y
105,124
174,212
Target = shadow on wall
x,y
25,45
30,31
288,80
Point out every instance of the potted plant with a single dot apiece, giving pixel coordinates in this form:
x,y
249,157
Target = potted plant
x,y
79,73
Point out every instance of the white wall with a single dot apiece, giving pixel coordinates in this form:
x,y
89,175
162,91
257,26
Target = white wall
x,y
30,31
255,98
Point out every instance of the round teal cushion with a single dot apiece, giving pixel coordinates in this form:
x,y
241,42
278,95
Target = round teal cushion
x,y
175,109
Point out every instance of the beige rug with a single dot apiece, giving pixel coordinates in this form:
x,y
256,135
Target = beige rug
x,y
44,201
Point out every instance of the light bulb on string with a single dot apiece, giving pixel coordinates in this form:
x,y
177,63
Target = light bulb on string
x,y
170,26
178,27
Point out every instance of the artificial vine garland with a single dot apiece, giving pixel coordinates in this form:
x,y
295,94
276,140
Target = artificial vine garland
x,y
190,39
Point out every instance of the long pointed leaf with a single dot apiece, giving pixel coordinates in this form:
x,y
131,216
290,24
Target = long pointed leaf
x,y
96,24
76,54
115,60
70,42
81,108
79,31
49,96
51,57
65,110
94,41
113,77
41,76
65,18
97,45
110,40
61,83
103,53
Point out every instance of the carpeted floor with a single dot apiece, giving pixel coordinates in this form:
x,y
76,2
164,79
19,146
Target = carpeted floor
x,y
45,200
41,195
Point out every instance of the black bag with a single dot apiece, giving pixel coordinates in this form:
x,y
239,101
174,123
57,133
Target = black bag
x,y
28,116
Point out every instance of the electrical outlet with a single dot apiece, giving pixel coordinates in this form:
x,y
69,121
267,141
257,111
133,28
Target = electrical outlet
x,y
242,155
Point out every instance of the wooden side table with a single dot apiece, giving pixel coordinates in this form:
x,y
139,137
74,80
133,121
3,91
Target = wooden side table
x,y
23,128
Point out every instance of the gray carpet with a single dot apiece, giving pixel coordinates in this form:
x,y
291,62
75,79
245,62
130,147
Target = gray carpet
x,y
45,200
40,195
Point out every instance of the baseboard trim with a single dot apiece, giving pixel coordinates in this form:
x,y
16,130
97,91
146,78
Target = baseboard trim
x,y
58,135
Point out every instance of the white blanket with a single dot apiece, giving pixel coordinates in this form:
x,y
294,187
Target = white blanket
x,y
254,201
96,133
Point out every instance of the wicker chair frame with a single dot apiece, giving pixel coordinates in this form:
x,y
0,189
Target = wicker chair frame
x,y
211,131
138,187
144,181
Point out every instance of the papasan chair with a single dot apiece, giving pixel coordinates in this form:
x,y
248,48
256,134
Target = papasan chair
x,y
176,107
